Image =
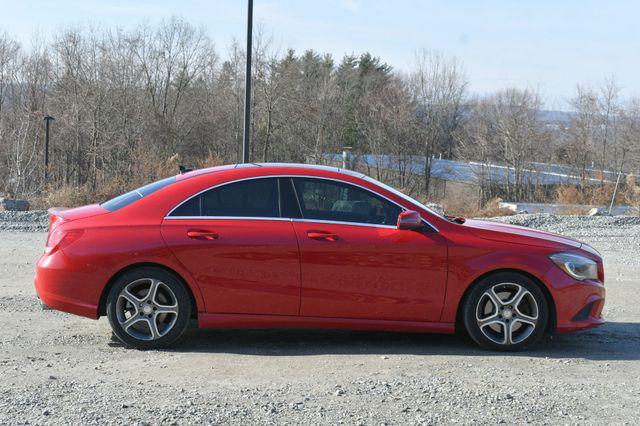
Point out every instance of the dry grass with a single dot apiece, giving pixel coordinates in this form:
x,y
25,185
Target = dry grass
x,y
598,195
492,208
632,193
575,210
461,207
456,207
152,168
149,169
211,160
569,195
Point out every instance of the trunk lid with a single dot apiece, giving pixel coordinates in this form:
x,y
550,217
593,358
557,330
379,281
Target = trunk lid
x,y
58,215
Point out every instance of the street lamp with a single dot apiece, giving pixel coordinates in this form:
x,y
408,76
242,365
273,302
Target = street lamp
x,y
47,120
247,86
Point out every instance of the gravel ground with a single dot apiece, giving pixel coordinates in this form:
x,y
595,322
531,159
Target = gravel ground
x,y
58,368
29,221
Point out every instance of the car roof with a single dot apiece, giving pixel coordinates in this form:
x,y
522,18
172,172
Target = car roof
x,y
268,166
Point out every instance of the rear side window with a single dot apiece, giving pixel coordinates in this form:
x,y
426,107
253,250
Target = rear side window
x,y
335,201
257,198
133,196
250,198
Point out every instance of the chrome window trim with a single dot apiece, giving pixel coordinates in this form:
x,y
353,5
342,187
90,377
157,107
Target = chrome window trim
x,y
282,219
227,218
168,215
337,222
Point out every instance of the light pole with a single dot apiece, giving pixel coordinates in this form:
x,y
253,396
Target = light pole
x,y
345,157
247,87
47,120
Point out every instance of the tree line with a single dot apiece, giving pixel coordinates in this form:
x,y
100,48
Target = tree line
x,y
129,105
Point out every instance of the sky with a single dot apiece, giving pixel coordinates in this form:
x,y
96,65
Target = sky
x,y
545,45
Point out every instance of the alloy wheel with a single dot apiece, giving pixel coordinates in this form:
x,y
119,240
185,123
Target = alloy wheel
x,y
507,313
147,309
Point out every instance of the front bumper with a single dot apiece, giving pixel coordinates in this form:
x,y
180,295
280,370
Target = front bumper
x,y
578,303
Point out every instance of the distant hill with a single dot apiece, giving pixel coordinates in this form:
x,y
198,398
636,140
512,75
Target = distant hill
x,y
554,117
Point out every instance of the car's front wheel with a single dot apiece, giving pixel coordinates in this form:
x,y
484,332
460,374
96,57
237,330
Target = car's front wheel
x,y
148,308
506,311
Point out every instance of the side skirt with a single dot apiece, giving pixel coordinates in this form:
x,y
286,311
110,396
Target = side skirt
x,y
283,321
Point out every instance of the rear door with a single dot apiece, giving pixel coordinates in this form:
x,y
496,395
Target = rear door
x,y
239,248
356,264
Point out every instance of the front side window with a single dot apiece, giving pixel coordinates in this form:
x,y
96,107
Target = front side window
x,y
250,198
403,196
335,201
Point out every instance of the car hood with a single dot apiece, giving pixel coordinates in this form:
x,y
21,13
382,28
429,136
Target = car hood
x,y
503,232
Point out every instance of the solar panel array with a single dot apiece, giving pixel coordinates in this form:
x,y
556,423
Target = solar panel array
x,y
477,173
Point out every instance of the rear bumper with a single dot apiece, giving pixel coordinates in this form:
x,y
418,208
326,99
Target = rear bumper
x,y
63,287
43,306
578,303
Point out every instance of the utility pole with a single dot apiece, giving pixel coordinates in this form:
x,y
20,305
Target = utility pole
x,y
615,192
247,86
47,120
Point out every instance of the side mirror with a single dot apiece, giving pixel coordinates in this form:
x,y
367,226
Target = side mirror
x,y
409,219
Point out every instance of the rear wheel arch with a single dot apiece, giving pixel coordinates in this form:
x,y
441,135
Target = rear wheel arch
x,y
551,324
102,304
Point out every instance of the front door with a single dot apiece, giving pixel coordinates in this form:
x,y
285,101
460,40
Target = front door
x,y
356,264
242,253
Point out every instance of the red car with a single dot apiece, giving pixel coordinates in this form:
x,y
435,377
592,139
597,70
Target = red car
x,y
285,245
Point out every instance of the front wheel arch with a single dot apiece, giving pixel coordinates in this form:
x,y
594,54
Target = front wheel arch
x,y
551,324
102,304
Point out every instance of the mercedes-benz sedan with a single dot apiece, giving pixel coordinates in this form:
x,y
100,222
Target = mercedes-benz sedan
x,y
285,245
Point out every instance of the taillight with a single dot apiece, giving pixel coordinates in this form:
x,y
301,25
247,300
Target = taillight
x,y
601,272
59,238
52,221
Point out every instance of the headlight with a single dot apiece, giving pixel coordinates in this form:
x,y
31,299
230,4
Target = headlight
x,y
576,266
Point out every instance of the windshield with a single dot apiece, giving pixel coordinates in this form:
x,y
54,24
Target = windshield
x,y
130,197
403,196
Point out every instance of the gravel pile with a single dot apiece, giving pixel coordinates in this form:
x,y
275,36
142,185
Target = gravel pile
x,y
620,234
560,224
29,221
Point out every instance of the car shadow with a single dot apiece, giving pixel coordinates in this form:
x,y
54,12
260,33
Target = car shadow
x,y
612,341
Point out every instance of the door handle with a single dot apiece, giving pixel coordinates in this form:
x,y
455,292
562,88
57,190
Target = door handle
x,y
322,235
200,234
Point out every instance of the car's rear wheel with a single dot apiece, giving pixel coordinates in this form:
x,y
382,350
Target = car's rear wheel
x,y
148,308
506,311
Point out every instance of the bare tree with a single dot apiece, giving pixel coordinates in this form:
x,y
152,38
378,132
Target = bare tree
x,y
131,104
439,87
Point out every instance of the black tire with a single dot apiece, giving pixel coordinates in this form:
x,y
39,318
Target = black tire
x,y
495,323
170,295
